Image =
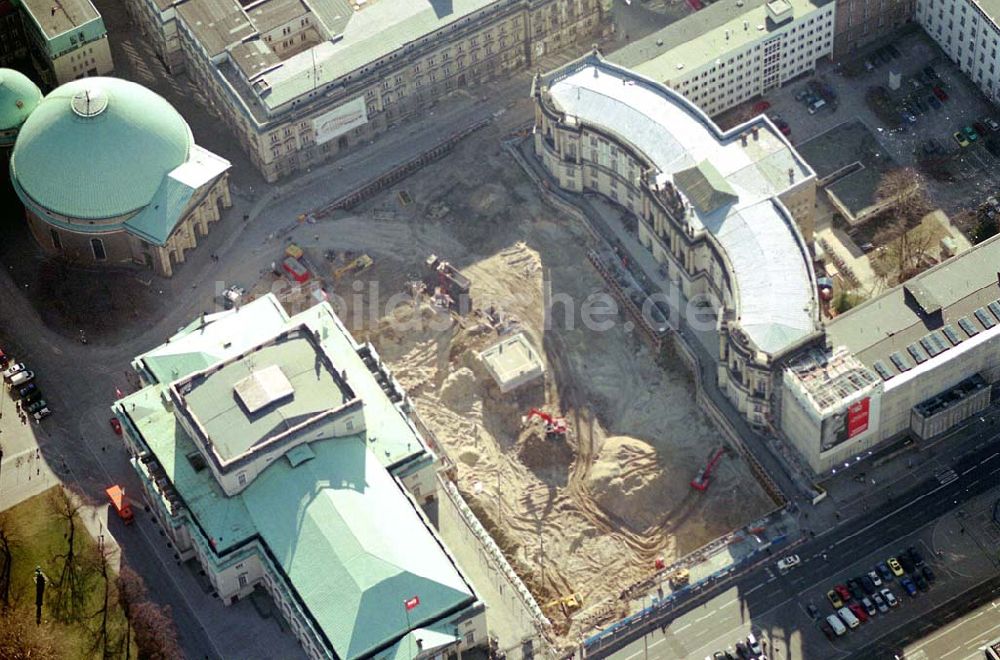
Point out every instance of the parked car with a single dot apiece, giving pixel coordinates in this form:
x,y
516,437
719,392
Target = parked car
x,y
910,587
37,405
890,598
783,126
979,127
970,133
992,123
827,628
869,66
928,574
116,425
921,583
4,359
836,624
905,561
21,377
835,599
753,643
41,414
847,616
880,603
934,102
869,606
897,570
856,591
867,584
812,610
801,95
874,577
961,139
858,611
843,592
13,369
35,395
27,390
917,105
760,107
915,556
884,571
940,93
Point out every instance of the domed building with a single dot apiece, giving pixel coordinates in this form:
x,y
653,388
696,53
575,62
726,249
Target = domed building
x,y
18,98
109,173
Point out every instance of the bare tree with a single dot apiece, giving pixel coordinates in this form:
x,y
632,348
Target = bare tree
x,y
131,592
70,592
155,634
905,192
21,639
6,562
901,251
102,559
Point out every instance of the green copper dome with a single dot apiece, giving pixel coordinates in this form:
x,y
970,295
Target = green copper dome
x,y
18,97
98,148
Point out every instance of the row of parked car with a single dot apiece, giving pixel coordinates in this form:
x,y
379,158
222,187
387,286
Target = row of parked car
x,y
971,133
866,596
929,95
20,381
750,648
882,55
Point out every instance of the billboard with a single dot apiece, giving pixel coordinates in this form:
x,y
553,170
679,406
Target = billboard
x,y
849,423
340,120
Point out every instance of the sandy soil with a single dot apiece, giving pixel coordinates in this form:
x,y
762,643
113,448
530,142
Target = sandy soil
x,y
586,515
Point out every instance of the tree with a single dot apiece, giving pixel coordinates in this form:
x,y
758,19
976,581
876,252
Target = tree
x,y
905,192
155,634
6,562
131,592
21,639
102,559
70,590
901,252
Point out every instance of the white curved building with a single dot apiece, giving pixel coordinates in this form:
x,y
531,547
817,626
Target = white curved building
x,y
727,214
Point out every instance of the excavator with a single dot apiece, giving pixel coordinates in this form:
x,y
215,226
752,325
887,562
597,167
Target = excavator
x,y
704,476
555,427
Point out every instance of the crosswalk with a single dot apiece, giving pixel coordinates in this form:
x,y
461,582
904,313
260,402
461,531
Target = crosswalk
x,y
945,477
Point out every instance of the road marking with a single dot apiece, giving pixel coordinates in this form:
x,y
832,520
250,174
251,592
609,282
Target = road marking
x,y
684,627
970,469
707,616
750,591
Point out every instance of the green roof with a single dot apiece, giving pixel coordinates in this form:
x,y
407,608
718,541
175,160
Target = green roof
x,y
705,187
352,544
98,148
18,98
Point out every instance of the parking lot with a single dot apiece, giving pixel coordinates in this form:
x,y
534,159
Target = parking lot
x,y
959,177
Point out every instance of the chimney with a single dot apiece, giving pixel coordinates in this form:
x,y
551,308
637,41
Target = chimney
x,y
727,35
743,139
53,10
420,644
746,26
791,175
755,130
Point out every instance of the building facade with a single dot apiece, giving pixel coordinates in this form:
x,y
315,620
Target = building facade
x,y
18,99
299,81
67,40
726,214
279,453
861,22
913,362
729,53
969,36
109,174
13,46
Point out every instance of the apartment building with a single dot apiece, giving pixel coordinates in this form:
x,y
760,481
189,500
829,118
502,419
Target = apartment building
x,y
299,81
969,33
67,40
12,44
861,22
731,52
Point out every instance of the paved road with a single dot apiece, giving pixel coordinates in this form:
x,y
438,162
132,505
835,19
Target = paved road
x,y
961,639
777,603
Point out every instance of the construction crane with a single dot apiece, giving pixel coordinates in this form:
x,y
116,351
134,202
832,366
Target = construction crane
x,y
363,262
704,477
555,427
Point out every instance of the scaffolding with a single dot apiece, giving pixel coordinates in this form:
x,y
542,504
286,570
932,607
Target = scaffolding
x,y
830,377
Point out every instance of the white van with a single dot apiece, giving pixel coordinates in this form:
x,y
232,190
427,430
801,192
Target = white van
x,y
848,617
836,624
789,562
815,107
21,377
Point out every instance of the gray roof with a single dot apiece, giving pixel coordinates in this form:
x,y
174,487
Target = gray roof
x,y
253,56
774,287
940,297
58,16
216,24
849,160
272,14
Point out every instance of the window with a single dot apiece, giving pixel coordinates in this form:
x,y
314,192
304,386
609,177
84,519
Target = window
x,y
97,245
56,243
241,478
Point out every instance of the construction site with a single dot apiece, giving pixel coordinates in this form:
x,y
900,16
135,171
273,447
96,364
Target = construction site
x,y
579,446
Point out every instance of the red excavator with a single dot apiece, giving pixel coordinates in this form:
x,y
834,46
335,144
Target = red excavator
x,y
555,427
704,477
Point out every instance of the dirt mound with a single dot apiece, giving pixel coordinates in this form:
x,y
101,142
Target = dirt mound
x,y
544,456
628,481
460,391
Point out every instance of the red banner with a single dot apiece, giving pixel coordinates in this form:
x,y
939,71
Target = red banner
x,y
857,418
410,603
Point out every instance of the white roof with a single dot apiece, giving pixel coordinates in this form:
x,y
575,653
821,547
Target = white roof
x,y
773,279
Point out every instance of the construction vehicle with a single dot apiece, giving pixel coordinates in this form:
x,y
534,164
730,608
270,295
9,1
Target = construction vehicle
x,y
442,277
360,264
555,427
567,604
121,504
678,579
704,476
